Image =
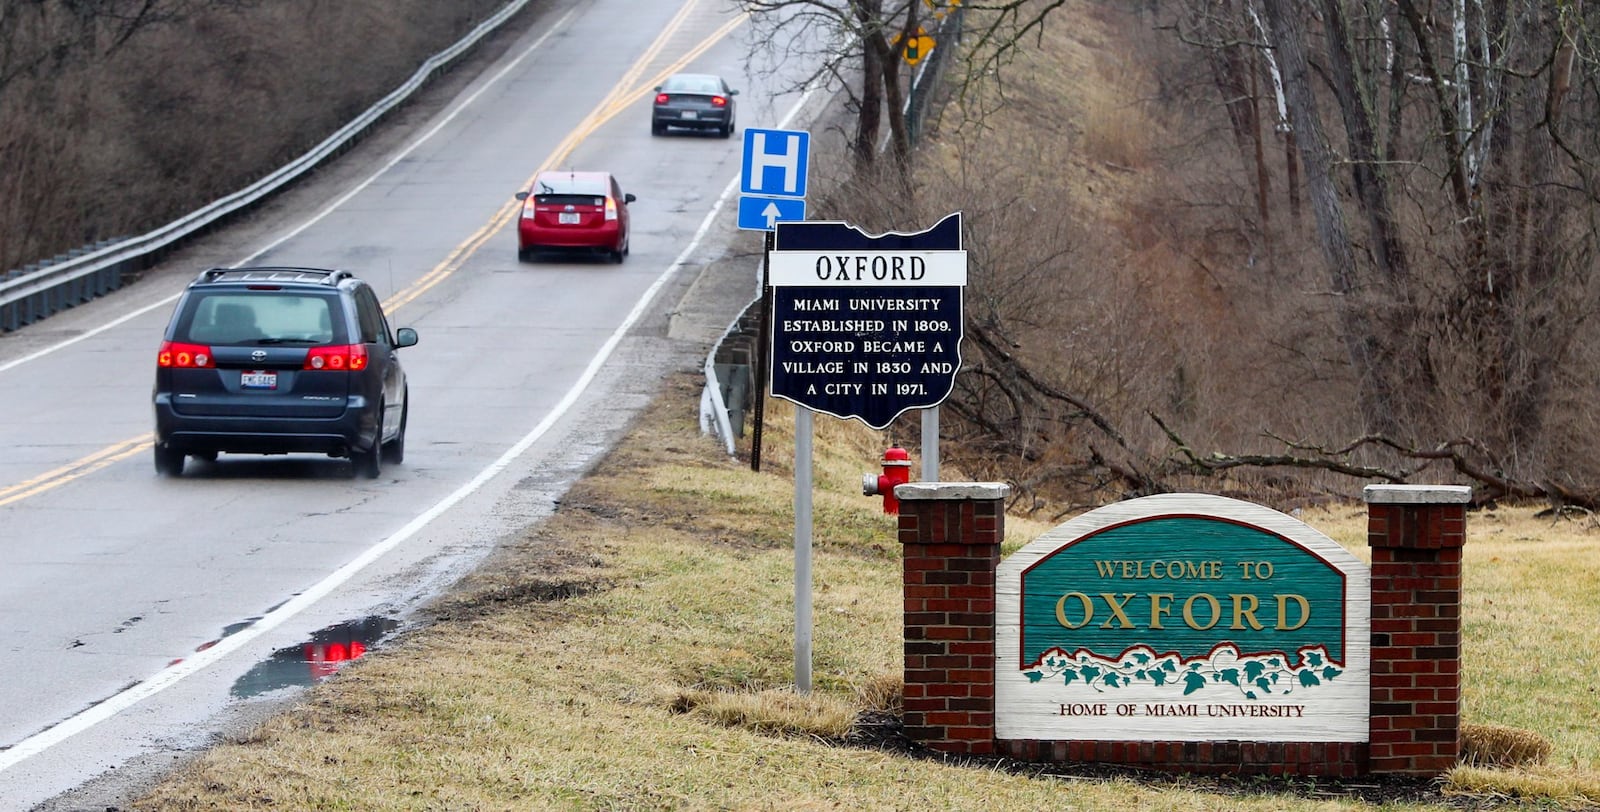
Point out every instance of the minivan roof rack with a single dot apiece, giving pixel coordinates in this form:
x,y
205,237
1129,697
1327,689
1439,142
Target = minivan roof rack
x,y
324,276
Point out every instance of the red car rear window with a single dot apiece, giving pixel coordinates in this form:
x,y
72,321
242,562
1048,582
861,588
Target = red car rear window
x,y
569,200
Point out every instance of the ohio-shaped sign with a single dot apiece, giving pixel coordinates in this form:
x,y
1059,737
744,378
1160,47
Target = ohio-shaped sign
x,y
866,326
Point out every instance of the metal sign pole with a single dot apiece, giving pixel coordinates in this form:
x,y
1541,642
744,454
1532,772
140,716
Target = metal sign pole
x,y
930,444
762,356
802,549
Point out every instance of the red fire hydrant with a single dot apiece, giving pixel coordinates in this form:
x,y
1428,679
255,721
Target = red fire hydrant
x,y
896,471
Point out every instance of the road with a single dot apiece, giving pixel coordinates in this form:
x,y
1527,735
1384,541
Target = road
x,y
139,615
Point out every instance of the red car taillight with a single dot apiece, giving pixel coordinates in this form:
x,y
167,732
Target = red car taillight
x,y
342,358
661,98
719,101
611,208
185,356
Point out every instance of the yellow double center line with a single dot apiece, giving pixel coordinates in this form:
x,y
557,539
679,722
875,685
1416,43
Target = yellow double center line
x,y
626,90
73,470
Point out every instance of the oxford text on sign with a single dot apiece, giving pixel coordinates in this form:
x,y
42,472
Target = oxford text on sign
x,y
1245,606
909,268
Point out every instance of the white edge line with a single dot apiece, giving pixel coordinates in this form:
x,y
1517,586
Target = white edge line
x,y
171,675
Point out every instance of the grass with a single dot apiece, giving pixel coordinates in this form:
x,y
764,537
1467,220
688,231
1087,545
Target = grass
x,y
635,651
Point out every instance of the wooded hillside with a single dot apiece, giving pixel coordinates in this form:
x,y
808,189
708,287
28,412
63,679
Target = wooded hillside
x,y
1281,248
117,116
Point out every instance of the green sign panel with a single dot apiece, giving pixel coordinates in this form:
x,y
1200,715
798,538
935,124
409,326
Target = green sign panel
x,y
1179,585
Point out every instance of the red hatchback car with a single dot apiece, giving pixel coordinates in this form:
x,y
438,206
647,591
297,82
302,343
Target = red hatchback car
x,y
566,210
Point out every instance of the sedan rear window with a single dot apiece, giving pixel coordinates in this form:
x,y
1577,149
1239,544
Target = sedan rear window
x,y
692,84
569,200
258,318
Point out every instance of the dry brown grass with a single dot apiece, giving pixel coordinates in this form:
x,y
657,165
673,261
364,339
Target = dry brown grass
x,y
1502,746
647,663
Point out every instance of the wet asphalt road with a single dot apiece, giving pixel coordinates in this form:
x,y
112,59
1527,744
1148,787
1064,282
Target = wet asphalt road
x,y
139,615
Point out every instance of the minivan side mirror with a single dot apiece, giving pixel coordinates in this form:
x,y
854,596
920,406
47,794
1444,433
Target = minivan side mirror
x,y
628,197
522,195
405,337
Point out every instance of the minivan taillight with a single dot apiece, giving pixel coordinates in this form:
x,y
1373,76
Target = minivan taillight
x,y
341,358
611,208
185,356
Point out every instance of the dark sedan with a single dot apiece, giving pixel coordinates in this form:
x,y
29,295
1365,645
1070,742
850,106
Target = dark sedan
x,y
698,101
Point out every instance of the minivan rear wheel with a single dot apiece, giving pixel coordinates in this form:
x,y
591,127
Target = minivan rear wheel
x,y
394,451
169,461
366,463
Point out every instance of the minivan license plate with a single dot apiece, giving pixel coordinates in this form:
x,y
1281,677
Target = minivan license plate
x,y
569,218
256,379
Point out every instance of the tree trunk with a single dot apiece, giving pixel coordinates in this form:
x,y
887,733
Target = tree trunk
x,y
869,119
1363,345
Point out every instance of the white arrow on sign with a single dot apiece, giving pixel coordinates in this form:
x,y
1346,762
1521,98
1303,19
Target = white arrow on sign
x,y
772,214
764,213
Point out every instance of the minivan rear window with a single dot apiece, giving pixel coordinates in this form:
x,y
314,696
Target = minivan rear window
x,y
258,318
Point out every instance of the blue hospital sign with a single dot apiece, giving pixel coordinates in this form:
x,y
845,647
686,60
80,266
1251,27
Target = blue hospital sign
x,y
866,327
775,162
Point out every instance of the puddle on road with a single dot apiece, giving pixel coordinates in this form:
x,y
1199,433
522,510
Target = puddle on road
x,y
316,659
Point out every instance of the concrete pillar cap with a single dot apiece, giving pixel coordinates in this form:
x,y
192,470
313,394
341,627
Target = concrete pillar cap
x,y
951,491
1417,494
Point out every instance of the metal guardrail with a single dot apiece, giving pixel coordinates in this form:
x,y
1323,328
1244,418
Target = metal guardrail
x,y
37,292
729,389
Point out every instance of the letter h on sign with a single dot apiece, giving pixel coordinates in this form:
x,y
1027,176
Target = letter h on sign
x,y
775,162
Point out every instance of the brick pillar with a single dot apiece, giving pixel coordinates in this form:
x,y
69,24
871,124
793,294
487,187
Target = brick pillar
x,y
950,534
1416,533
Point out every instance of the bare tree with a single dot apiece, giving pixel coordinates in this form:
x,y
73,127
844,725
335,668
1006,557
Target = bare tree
x,y
1450,158
858,45
1449,154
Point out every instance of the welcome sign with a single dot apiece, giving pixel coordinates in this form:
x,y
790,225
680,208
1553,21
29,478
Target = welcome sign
x,y
1183,617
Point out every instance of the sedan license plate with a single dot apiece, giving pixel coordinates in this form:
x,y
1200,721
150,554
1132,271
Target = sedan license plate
x,y
568,218
690,114
258,379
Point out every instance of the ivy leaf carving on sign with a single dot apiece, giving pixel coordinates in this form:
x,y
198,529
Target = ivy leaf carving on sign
x,y
1254,675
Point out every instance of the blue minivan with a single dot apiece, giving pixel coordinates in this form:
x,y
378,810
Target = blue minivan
x,y
279,360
